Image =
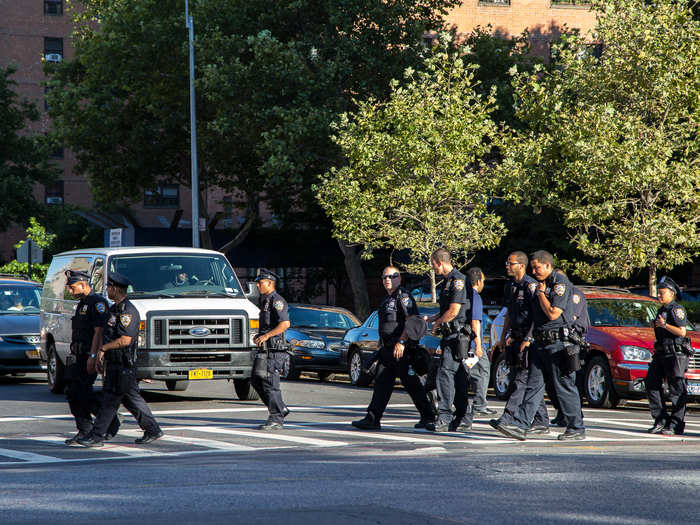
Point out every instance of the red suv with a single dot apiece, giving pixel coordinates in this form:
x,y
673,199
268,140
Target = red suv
x,y
622,344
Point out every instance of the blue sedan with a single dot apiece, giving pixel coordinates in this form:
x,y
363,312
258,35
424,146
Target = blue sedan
x,y
315,335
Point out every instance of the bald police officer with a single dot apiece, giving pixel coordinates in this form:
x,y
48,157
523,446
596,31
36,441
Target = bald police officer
x,y
394,310
117,359
87,327
672,353
272,358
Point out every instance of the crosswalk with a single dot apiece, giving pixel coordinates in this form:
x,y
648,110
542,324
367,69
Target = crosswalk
x,y
218,431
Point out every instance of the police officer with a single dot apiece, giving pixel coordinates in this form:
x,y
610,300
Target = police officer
x,y
581,322
519,294
480,373
394,310
452,378
671,355
87,327
117,359
272,358
552,314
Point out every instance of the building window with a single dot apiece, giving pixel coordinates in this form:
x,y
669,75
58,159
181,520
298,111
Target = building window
x,y
164,196
53,49
495,2
53,7
586,3
54,193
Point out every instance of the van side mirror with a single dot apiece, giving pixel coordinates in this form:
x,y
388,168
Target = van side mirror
x,y
252,293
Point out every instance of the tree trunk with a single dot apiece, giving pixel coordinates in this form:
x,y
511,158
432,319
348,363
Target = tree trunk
x,y
433,291
245,229
652,280
356,275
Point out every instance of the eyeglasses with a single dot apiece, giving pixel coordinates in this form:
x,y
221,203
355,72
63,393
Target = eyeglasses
x,y
508,263
390,276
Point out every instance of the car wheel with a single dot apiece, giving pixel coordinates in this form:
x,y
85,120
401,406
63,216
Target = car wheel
x,y
326,376
55,372
176,386
598,385
244,390
501,379
355,367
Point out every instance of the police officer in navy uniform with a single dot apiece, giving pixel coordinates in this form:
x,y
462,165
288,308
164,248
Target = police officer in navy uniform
x,y
552,315
87,326
394,310
117,359
519,294
671,356
452,377
272,358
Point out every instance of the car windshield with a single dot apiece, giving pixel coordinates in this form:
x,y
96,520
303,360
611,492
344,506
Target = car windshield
x,y
302,317
19,299
621,312
177,275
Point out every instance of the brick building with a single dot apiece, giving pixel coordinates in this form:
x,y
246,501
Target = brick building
x,y
32,31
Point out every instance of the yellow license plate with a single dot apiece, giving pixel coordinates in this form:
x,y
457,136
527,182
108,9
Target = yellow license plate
x,y
201,373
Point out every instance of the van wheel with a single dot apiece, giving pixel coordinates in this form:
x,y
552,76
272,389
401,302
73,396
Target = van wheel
x,y
598,385
176,386
501,379
245,390
55,372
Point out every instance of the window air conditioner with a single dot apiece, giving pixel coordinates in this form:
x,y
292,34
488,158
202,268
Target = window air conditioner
x,y
53,57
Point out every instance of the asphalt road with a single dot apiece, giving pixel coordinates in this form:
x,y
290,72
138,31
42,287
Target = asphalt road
x,y
214,467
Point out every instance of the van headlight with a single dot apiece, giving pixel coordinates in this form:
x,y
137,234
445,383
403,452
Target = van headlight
x,y
253,330
635,353
142,335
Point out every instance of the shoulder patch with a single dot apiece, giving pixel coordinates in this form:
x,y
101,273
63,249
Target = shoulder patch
x,y
125,320
679,313
279,305
576,298
459,284
532,287
406,301
559,289
100,307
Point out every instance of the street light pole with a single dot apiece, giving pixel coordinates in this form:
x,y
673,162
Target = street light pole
x,y
189,23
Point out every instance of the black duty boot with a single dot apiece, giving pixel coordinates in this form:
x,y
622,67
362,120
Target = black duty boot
x,y
369,422
92,441
75,439
148,438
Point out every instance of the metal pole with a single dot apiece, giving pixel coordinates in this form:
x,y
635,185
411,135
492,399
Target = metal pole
x,y
189,23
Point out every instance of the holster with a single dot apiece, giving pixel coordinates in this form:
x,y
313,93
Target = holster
x,y
118,379
260,364
571,357
460,347
675,364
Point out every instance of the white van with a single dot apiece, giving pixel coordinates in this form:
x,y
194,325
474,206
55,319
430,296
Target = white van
x,y
196,322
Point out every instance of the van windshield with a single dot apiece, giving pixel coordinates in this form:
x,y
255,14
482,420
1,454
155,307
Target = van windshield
x,y
177,275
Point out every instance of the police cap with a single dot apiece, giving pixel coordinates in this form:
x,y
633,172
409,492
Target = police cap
x,y
118,279
415,328
667,282
74,276
264,273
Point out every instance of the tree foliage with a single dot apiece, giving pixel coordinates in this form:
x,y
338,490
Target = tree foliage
x,y
414,178
24,157
613,142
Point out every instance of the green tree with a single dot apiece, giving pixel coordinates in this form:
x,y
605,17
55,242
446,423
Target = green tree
x,y
613,142
414,178
269,83
24,157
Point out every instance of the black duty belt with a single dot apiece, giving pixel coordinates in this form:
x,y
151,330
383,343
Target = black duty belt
x,y
549,336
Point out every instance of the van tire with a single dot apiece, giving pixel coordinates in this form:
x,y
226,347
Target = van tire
x,y
244,390
176,386
55,371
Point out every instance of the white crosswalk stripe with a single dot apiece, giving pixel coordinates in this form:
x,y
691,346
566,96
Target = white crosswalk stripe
x,y
107,447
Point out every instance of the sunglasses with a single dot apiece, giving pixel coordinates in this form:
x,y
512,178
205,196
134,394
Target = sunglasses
x,y
508,263
390,276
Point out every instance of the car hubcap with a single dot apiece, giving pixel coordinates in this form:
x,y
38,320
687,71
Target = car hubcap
x,y
502,371
52,368
355,367
596,383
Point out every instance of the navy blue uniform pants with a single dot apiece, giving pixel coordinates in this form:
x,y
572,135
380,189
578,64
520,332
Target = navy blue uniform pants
x,y
268,388
677,395
83,401
452,386
384,386
546,363
130,396
517,386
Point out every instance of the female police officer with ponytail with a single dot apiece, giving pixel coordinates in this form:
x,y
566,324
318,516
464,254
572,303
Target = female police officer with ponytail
x,y
672,352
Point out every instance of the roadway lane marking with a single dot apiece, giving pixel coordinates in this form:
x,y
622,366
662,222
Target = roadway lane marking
x,y
108,447
264,435
358,433
207,443
27,457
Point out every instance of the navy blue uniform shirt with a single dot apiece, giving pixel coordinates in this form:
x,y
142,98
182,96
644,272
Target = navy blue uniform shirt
x,y
455,291
273,311
675,315
123,320
92,312
558,291
518,297
392,313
